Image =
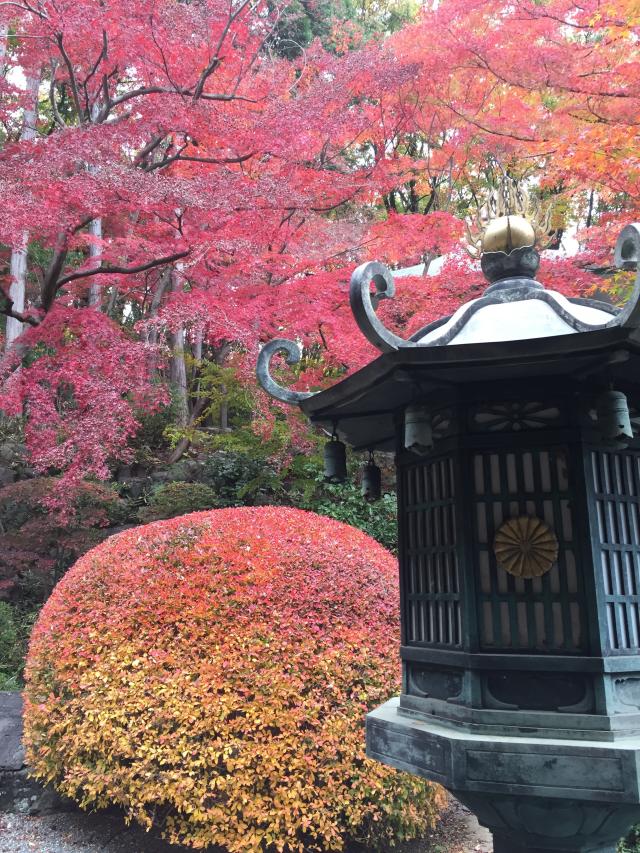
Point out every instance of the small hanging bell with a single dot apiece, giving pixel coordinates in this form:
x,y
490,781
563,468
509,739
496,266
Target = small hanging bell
x,y
418,437
335,460
371,480
614,421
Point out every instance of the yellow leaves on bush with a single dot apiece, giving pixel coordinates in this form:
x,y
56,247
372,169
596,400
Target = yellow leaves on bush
x,y
211,674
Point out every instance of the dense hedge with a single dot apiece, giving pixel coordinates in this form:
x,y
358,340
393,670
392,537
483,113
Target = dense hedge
x,y
211,674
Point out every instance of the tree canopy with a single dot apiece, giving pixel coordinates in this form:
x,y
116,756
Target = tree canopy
x,y
179,185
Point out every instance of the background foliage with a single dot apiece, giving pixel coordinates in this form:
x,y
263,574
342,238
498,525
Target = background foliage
x,y
186,181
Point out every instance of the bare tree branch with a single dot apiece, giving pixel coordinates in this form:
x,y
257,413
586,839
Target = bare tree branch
x,y
148,149
50,283
241,158
107,269
26,8
6,308
72,77
52,96
215,61
102,55
85,83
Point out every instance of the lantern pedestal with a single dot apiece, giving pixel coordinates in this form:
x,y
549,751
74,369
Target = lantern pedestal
x,y
535,793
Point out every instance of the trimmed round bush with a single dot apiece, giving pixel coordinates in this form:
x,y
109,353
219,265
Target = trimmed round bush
x,y
210,674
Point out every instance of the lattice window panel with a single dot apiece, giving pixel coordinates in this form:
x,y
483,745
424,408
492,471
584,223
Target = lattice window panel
x,y
543,614
431,581
616,485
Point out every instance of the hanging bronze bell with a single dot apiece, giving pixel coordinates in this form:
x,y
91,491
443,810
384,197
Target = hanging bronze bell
x,y
614,422
418,436
335,461
371,481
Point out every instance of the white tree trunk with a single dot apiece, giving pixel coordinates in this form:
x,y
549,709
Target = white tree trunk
x,y
4,35
18,273
95,251
197,343
177,364
18,267
95,230
178,375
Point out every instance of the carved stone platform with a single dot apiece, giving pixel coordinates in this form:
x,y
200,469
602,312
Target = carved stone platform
x,y
534,794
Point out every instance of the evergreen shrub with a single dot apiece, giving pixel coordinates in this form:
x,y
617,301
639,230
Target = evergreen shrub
x,y
210,674
344,502
9,645
15,626
177,498
240,478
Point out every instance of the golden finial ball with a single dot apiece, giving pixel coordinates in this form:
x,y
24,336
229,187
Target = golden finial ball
x,y
507,233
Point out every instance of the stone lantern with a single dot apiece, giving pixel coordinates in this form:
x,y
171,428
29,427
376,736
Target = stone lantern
x,y
513,424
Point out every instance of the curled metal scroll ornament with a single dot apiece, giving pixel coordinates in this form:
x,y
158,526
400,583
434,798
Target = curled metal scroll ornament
x,y
263,370
627,257
364,305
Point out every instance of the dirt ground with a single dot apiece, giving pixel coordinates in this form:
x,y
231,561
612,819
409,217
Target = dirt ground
x,y
457,832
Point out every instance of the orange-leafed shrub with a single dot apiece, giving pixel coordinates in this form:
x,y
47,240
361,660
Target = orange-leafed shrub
x,y
211,674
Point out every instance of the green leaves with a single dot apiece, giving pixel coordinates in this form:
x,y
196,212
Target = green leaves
x,y
178,498
15,625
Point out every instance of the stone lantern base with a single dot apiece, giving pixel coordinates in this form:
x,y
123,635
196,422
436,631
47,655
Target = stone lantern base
x,y
536,795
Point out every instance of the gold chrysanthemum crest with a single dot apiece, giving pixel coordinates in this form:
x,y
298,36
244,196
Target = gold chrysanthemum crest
x,y
525,547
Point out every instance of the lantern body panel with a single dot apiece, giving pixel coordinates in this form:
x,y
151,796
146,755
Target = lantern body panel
x,y
539,644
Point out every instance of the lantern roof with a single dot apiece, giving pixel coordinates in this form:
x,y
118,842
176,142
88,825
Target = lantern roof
x,y
516,310
516,330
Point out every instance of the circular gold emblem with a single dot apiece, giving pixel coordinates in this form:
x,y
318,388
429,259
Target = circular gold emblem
x,y
525,547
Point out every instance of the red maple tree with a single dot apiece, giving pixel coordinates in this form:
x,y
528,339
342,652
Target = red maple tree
x,y
188,191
